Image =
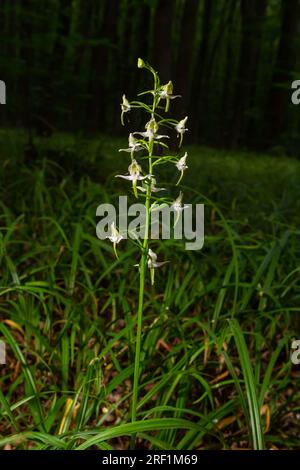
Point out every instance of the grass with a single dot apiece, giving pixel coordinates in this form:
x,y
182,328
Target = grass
x,y
215,361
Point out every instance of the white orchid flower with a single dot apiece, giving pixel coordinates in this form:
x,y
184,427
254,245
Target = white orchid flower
x,y
151,131
181,129
125,107
154,189
181,166
153,263
134,170
115,237
166,93
178,207
133,145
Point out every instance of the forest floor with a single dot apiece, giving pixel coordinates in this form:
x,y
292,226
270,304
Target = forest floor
x,y
67,306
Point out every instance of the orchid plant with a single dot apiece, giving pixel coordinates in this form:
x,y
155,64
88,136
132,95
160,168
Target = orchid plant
x,y
147,141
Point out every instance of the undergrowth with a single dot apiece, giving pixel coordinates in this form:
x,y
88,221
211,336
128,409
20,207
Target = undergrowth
x,y
216,341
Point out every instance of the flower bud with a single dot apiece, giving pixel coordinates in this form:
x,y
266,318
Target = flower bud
x,y
169,88
140,63
152,126
125,106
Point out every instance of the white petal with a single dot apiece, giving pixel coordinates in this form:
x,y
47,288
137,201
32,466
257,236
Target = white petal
x,y
159,264
156,190
157,137
125,177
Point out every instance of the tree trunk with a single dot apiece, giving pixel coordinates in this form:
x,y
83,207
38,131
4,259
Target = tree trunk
x,y
279,95
252,14
198,86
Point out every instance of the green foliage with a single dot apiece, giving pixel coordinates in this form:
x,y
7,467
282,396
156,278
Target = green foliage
x,y
68,306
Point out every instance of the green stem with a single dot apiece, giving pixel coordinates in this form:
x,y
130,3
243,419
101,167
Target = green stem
x,y
143,265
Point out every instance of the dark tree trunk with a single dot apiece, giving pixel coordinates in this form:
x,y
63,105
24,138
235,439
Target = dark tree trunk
x,y
162,53
101,59
252,15
225,111
198,85
184,66
279,95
